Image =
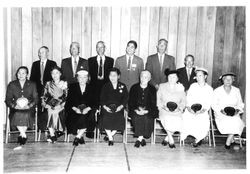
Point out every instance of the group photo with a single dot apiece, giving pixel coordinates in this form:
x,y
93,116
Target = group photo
x,y
123,89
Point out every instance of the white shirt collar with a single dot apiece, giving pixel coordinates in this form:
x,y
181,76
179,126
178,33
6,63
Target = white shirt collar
x,y
44,62
72,59
98,59
127,56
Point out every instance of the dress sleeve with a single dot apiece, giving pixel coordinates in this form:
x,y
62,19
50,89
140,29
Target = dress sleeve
x,y
9,99
125,96
132,100
159,97
34,100
182,104
240,104
103,96
153,110
216,101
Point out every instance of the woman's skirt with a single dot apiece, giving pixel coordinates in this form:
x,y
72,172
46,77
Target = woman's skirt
x,y
23,118
56,120
76,121
143,125
112,121
229,125
171,121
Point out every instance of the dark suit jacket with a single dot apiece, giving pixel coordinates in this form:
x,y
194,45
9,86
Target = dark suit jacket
x,y
153,66
67,69
95,83
183,78
133,76
35,74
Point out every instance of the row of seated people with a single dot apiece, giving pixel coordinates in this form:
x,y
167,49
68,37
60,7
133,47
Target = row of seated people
x,y
70,107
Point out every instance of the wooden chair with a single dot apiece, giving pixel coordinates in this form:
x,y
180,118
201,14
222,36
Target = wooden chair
x,y
214,128
8,132
159,131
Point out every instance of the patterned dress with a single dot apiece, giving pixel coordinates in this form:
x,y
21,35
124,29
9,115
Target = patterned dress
x,y
55,96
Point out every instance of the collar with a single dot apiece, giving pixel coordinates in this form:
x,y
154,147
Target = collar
x,y
44,62
160,55
98,58
77,58
127,56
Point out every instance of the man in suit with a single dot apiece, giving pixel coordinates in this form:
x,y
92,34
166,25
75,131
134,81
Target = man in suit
x,y
40,74
130,65
186,74
159,62
73,64
99,66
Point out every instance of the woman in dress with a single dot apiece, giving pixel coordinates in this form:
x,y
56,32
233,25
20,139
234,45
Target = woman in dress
x,y
171,100
113,99
199,99
53,99
21,98
142,108
78,105
224,96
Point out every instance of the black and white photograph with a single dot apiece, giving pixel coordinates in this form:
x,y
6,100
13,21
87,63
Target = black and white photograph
x,y
123,87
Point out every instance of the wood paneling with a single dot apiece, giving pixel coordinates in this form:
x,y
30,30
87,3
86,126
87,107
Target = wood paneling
x,y
214,35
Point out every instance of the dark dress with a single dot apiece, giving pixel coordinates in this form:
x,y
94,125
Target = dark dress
x,y
118,96
75,98
143,124
15,91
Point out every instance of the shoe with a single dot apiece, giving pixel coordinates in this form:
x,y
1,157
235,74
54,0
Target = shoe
x,y
24,140
171,146
76,141
197,144
111,143
164,143
106,138
81,141
59,133
227,147
137,143
53,139
143,142
19,140
90,135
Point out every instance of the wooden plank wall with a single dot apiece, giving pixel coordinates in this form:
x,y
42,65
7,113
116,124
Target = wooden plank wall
x,y
214,35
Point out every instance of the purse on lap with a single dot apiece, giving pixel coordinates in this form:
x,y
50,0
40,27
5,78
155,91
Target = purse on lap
x,y
171,106
196,107
230,111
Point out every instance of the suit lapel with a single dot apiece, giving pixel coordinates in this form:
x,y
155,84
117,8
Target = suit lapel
x,y
70,65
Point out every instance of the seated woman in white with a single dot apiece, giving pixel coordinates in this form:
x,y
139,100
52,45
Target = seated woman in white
x,y
171,100
227,106
199,100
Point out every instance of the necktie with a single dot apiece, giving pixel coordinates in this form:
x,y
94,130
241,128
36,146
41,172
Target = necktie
x,y
75,66
129,62
189,73
42,71
100,68
161,61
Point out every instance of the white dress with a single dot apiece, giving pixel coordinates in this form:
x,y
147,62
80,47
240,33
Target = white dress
x,y
221,99
171,121
197,125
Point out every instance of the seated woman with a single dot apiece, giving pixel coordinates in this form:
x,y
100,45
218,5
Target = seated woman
x,y
142,108
113,99
227,106
78,105
21,98
171,100
53,99
199,99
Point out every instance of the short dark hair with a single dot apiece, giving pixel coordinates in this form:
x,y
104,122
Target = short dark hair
x,y
22,67
132,42
45,47
114,69
162,40
189,55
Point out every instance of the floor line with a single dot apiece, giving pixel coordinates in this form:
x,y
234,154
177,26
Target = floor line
x,y
126,155
70,158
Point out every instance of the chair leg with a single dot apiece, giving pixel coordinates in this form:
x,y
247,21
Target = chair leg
x,y
95,135
154,131
39,136
7,128
36,128
209,139
65,135
68,137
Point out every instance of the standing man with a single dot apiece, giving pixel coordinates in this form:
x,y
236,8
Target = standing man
x,y
40,74
187,73
98,70
73,64
130,65
159,62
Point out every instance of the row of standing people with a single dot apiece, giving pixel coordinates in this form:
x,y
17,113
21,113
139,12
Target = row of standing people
x,y
98,73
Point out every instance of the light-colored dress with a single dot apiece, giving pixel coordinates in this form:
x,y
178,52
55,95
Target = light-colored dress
x,y
197,125
52,93
221,99
171,121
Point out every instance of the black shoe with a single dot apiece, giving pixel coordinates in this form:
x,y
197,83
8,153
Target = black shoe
x,y
81,141
106,138
171,146
164,143
197,144
59,133
19,140
111,143
23,141
143,142
227,147
90,135
76,141
53,139
137,143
